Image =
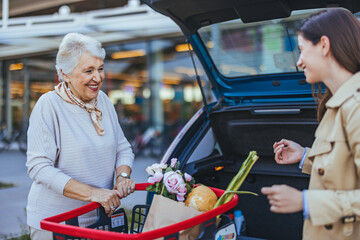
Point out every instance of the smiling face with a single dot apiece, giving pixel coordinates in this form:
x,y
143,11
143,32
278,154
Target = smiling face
x,y
310,60
86,79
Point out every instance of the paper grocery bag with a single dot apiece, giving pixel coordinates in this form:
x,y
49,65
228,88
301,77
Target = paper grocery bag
x,y
164,212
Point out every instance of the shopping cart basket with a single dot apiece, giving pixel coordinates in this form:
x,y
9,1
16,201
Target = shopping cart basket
x,y
116,227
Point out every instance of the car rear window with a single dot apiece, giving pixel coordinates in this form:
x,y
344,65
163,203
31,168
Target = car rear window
x,y
261,48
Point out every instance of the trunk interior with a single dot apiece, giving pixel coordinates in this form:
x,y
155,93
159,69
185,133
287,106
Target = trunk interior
x,y
241,130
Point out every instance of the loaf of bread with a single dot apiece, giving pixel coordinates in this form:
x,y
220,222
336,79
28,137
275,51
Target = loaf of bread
x,y
201,198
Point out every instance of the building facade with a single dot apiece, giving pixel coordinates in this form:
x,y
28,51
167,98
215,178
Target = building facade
x,y
149,74
151,84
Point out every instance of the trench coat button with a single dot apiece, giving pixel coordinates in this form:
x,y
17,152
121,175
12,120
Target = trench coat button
x,y
321,171
328,226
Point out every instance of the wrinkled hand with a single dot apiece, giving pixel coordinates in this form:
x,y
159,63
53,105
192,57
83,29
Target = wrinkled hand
x,y
109,199
287,152
124,186
283,198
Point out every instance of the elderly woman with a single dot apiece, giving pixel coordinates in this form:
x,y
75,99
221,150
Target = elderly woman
x,y
76,148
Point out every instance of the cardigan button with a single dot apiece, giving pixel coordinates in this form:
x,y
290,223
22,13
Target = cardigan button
x,y
328,226
321,171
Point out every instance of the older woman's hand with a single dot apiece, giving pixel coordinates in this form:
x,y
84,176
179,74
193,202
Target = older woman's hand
x,y
124,186
109,199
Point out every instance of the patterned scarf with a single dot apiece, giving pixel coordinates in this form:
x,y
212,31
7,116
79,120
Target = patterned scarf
x,y
95,114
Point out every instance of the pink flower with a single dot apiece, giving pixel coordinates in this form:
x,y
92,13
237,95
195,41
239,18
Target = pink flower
x,y
173,181
188,177
156,177
151,170
173,162
182,189
180,197
151,180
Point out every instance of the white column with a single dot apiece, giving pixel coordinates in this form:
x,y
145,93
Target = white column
x,y
5,13
26,105
156,72
8,110
2,74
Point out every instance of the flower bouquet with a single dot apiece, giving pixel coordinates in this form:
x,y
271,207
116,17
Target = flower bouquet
x,y
171,187
168,181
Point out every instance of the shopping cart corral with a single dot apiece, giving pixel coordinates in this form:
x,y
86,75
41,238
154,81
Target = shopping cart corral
x,y
117,226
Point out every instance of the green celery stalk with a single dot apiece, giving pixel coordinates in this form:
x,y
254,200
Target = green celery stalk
x,y
238,179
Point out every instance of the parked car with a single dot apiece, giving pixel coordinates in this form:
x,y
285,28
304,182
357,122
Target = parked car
x,y
249,51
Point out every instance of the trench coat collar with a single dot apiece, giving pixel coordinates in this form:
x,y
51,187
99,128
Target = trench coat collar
x,y
348,89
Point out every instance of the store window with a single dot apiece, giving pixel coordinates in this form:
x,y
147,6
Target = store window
x,y
126,84
43,77
15,80
183,96
152,86
24,81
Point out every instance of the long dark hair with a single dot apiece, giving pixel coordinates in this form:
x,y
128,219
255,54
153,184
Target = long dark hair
x,y
343,30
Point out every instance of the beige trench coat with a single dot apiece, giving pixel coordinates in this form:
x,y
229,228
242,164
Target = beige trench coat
x,y
334,163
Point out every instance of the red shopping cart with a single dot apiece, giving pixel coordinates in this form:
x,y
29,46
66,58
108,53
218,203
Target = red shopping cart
x,y
116,227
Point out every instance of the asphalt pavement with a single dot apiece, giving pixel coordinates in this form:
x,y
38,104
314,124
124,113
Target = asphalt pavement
x,y
13,200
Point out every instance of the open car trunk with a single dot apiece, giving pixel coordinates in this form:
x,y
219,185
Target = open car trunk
x,y
248,50
241,130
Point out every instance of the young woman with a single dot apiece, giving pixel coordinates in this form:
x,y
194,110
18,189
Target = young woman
x,y
329,44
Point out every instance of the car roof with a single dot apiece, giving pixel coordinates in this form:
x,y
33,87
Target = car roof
x,y
191,15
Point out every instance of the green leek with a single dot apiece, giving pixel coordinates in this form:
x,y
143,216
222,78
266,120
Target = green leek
x,y
237,181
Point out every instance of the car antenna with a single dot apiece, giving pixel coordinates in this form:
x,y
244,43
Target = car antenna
x,y
198,80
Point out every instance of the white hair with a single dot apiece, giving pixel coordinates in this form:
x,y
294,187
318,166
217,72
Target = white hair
x,y
70,50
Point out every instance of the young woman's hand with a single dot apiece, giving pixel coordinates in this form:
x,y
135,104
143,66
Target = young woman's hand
x,y
283,198
287,152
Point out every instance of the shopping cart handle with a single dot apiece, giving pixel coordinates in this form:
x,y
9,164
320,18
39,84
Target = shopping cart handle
x,y
141,186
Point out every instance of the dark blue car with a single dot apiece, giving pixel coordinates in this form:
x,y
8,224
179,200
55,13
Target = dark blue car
x,y
248,49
